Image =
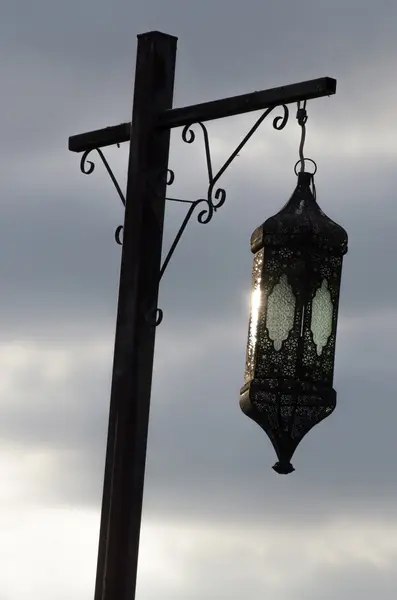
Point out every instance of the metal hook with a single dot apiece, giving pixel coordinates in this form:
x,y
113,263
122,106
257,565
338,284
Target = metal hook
x,y
301,116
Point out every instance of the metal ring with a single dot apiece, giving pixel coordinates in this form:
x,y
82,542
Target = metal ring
x,y
299,162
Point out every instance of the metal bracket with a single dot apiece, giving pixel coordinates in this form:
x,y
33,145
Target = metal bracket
x,y
87,167
215,198
207,111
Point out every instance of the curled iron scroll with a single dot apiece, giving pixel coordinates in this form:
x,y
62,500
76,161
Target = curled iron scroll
x,y
118,235
154,317
216,196
88,166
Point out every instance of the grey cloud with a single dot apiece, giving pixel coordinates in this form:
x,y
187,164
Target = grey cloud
x,y
69,68
206,284
265,35
269,559
351,583
59,261
73,59
60,265
203,452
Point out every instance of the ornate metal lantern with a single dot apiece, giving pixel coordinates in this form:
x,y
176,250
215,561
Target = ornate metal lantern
x,y
296,279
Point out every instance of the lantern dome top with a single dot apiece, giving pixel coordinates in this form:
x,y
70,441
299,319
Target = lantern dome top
x,y
301,222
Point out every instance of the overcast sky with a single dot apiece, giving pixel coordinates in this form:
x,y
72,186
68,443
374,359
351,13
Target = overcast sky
x,y
218,522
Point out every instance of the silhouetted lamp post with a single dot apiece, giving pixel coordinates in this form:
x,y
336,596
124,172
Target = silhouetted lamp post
x,y
296,277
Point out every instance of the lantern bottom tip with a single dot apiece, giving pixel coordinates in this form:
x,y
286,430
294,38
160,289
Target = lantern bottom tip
x,y
283,468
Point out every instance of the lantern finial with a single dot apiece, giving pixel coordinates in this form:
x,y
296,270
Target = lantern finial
x,y
283,468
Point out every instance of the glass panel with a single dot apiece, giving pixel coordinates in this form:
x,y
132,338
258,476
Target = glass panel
x,y
322,311
280,312
256,300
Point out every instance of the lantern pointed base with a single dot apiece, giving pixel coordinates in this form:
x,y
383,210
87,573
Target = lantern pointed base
x,y
286,410
283,468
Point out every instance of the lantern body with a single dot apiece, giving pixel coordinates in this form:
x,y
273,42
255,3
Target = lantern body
x,y
296,279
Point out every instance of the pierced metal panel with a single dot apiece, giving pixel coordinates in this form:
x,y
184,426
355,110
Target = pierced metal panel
x,y
280,312
315,366
321,321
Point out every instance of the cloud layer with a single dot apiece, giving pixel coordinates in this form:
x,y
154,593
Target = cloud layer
x,y
218,522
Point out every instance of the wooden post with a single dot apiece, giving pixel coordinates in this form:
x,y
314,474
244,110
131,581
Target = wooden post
x,y
135,332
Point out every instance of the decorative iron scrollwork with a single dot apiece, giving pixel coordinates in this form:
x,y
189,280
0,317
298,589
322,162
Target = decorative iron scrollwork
x,y
91,166
118,234
170,177
215,197
189,136
88,166
219,194
154,317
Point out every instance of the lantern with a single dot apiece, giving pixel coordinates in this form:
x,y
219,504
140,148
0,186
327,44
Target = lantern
x,y
296,279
